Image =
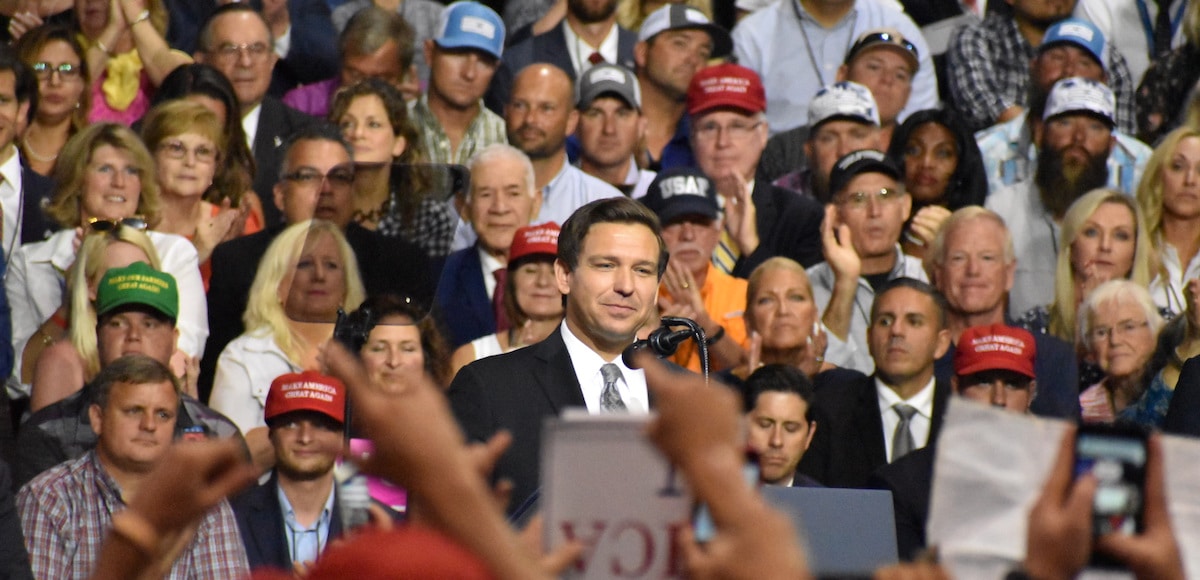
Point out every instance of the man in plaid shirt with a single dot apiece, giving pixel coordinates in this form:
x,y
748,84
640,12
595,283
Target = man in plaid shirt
x,y
67,511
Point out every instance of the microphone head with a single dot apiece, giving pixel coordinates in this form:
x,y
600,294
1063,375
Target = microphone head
x,y
629,355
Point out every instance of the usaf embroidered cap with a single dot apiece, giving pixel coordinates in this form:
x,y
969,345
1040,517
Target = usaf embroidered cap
x,y
608,79
306,391
471,25
679,17
858,163
845,101
1080,95
681,191
1081,33
995,347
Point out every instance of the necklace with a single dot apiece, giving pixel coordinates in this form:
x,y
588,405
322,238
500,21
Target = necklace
x,y
34,153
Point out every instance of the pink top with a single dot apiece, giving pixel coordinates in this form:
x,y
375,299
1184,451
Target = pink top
x,y
1095,406
101,111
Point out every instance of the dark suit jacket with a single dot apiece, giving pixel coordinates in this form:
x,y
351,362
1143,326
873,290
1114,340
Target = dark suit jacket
x,y
462,298
260,520
1183,415
789,225
910,479
849,443
516,391
313,54
14,560
37,192
275,123
1057,377
550,47
386,264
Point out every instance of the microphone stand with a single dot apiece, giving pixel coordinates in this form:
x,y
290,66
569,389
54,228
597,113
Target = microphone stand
x,y
698,335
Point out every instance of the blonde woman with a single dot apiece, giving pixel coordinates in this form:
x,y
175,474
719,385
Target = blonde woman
x,y
1103,238
64,366
105,180
307,273
1169,196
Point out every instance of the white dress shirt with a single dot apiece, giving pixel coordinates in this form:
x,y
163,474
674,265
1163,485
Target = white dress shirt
x,y
919,425
250,124
587,363
11,199
580,50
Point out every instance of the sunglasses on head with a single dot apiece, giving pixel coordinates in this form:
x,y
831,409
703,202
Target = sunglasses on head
x,y
136,222
884,38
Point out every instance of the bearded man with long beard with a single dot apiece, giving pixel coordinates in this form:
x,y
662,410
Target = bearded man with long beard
x,y
1074,142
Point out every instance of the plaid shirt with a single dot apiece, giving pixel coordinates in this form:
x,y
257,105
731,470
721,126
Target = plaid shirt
x,y
989,61
66,512
432,227
486,128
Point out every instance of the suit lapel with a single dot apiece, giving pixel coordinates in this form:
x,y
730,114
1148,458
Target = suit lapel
x,y
941,396
268,525
555,375
472,282
870,422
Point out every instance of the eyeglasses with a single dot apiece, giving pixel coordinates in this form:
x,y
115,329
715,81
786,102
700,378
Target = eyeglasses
x,y
884,38
136,222
1123,328
860,199
230,51
339,177
175,149
66,71
712,130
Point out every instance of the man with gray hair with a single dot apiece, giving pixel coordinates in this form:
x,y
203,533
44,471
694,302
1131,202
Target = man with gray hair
x,y
501,199
971,262
611,128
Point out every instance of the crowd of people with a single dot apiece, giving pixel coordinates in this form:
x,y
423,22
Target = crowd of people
x,y
281,269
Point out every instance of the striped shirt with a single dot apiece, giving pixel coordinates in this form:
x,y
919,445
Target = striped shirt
x,y
67,510
486,128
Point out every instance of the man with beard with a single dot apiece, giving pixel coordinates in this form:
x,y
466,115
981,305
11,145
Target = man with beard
x,y
1071,47
990,60
587,36
539,117
292,517
1074,141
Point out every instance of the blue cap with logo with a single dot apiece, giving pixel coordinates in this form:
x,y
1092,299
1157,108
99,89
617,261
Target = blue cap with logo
x,y
471,25
1081,33
681,191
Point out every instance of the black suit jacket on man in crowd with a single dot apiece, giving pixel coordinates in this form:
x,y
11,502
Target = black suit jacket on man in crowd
x,y
387,264
789,225
549,47
849,443
276,122
37,191
910,479
260,520
516,391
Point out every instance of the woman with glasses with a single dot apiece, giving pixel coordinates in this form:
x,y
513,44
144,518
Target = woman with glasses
x,y
187,143
63,101
307,273
1118,328
374,120
61,368
943,172
105,181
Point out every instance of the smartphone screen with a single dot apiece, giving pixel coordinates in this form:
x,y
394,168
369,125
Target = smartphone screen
x,y
1117,458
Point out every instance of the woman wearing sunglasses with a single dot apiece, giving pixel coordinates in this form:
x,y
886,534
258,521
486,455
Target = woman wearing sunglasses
x,y
106,180
188,145
57,60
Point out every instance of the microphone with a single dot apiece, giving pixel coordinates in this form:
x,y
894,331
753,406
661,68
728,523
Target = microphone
x,y
662,341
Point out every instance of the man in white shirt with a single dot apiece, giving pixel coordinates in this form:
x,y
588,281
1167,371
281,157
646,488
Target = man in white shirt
x,y
23,193
611,257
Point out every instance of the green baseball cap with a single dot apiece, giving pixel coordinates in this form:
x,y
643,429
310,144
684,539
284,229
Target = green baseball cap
x,y
137,283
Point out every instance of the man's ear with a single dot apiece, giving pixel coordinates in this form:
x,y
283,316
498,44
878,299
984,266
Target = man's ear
x,y
95,418
812,431
562,277
639,54
1032,393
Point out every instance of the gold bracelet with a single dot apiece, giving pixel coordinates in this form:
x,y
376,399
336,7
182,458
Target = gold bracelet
x,y
144,16
137,531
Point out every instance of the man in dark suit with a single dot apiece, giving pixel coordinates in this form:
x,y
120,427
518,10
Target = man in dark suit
x,y
611,257
237,41
316,183
994,366
293,516
779,416
726,105
972,264
866,422
588,35
502,198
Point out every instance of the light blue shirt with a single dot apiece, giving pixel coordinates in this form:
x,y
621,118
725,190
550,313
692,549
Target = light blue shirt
x,y
567,192
1035,244
772,42
1010,157
305,544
